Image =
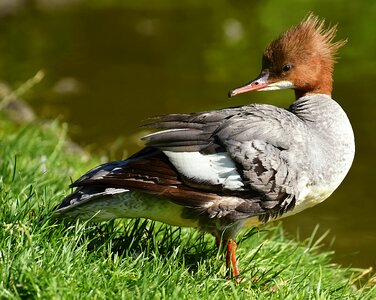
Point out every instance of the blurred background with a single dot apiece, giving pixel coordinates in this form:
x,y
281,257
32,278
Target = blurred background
x,y
110,65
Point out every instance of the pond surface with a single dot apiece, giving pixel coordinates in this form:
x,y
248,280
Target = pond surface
x,y
109,67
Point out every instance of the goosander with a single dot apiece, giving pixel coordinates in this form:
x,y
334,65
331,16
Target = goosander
x,y
220,171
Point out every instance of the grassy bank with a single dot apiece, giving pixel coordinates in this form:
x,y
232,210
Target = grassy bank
x,y
134,259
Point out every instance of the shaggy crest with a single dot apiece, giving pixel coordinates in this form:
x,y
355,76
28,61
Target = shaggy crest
x,y
300,41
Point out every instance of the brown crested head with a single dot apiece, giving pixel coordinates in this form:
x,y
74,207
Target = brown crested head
x,y
302,58
304,55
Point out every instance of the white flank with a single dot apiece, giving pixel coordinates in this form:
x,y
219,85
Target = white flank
x,y
213,169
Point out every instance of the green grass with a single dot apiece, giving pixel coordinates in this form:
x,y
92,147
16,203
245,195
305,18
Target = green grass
x,y
135,259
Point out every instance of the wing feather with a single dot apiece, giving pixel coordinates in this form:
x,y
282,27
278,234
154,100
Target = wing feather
x,y
239,164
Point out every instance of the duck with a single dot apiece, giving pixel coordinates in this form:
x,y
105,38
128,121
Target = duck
x,y
224,170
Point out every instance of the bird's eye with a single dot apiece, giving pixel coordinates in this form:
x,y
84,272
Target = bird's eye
x,y
286,68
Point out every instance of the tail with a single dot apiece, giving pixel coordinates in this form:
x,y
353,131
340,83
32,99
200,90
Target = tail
x,y
80,203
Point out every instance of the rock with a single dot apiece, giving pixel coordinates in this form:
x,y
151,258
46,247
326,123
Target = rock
x,y
15,108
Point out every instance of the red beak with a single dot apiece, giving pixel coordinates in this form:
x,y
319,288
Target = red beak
x,y
257,84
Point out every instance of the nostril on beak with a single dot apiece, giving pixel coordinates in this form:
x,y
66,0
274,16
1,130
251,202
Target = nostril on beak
x,y
256,83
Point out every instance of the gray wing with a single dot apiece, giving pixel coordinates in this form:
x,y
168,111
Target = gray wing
x,y
258,138
208,132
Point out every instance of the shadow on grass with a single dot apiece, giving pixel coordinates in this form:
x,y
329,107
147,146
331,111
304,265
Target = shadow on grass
x,y
151,239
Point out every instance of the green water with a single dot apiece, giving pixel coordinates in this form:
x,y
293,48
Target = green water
x,y
109,66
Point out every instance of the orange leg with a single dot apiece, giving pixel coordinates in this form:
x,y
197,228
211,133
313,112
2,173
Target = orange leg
x,y
231,262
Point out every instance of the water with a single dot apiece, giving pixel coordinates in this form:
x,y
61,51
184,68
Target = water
x,y
108,67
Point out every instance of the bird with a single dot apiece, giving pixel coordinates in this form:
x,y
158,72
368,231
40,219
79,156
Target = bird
x,y
223,170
